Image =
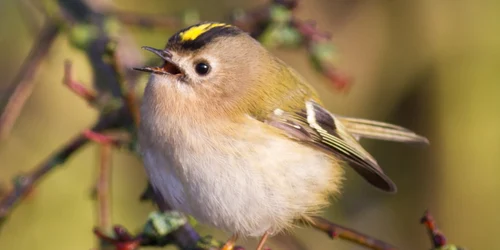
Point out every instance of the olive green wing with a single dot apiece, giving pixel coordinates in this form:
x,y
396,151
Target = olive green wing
x,y
362,128
317,127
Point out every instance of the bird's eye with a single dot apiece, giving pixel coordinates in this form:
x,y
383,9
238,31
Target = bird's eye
x,y
202,68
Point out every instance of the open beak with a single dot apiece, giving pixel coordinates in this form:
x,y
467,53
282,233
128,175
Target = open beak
x,y
169,67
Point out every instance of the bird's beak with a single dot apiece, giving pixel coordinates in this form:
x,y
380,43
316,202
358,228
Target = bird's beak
x,y
168,68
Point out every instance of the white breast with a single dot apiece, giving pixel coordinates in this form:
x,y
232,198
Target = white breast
x,y
245,184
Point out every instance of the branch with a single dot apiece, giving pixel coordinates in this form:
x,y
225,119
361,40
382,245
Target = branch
x,y
128,94
79,89
159,231
26,182
127,116
185,236
103,187
336,231
276,25
23,83
321,52
438,239
114,139
123,240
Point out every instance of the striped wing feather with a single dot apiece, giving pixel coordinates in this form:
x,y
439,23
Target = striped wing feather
x,y
318,128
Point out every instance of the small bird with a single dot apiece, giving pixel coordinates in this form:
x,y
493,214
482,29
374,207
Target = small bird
x,y
234,137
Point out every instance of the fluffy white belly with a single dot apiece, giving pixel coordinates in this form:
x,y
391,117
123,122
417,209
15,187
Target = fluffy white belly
x,y
240,186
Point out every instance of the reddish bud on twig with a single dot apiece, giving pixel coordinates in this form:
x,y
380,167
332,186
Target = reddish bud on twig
x,y
309,30
104,138
340,82
123,241
437,237
87,94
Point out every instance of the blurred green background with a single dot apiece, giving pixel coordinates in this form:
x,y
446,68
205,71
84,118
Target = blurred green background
x,y
432,66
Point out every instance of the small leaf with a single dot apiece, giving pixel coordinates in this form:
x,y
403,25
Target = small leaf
x,y
161,224
323,53
209,242
278,35
290,37
192,221
280,14
112,27
81,35
51,7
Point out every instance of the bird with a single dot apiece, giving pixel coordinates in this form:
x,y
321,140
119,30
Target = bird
x,y
234,137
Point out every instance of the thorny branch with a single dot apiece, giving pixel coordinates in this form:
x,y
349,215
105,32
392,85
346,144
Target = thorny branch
x,y
24,183
104,186
276,25
276,16
104,180
79,89
437,237
336,231
127,90
122,115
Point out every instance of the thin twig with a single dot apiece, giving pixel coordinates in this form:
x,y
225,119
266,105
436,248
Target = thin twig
x,y
79,89
336,231
114,139
133,107
123,240
3,189
185,237
28,181
23,83
314,37
128,93
437,237
256,22
103,187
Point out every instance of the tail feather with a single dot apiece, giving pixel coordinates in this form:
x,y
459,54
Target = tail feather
x,y
362,128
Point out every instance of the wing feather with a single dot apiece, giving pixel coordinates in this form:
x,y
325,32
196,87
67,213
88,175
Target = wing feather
x,y
380,130
295,109
317,127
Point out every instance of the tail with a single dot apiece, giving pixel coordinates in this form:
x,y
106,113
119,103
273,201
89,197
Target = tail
x,y
361,128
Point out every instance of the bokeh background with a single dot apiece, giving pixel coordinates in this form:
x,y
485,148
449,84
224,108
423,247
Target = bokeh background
x,y
432,66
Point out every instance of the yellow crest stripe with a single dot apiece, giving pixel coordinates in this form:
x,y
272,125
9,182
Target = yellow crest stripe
x,y
196,31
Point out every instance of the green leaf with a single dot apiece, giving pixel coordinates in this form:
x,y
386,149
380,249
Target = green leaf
x,y
209,242
81,35
280,14
160,224
280,35
112,27
324,52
